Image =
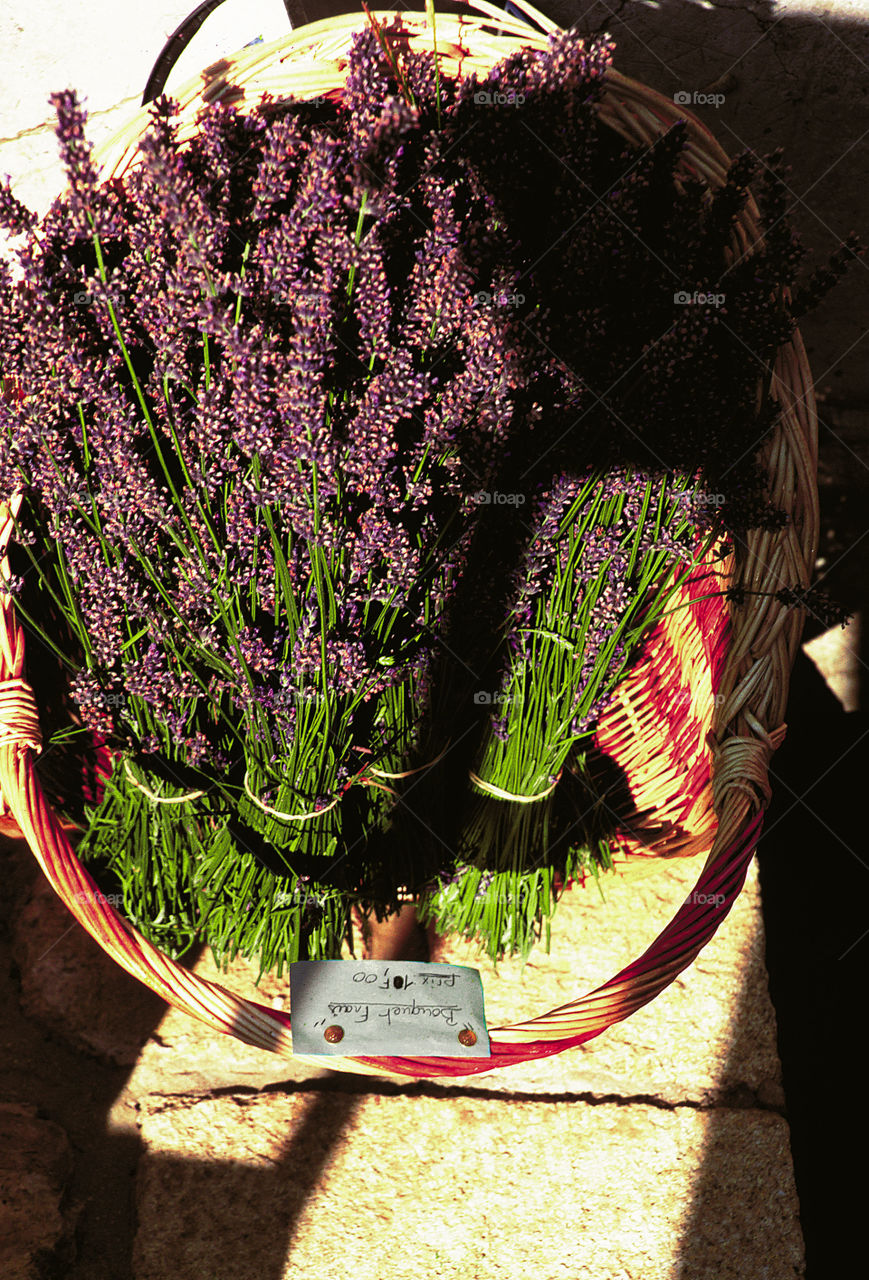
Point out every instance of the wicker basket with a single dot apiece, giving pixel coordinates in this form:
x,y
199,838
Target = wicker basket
x,y
693,726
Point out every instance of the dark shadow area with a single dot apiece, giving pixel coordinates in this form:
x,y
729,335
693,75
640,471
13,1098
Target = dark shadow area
x,y
791,80
843,565
76,1090
814,873
814,868
795,80
245,1196
814,865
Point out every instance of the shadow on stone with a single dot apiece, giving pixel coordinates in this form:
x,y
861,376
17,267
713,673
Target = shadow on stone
x,y
257,1201
72,1026
814,869
814,873
727,1234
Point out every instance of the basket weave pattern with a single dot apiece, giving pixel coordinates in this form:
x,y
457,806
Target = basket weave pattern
x,y
693,726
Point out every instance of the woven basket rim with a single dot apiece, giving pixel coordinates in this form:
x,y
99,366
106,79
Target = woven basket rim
x,y
747,725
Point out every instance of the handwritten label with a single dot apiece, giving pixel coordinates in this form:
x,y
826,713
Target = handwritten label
x,y
387,1008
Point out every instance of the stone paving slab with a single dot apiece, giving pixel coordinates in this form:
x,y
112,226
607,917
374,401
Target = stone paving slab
x,y
653,1131
71,987
837,658
358,1187
709,1037
105,52
35,1165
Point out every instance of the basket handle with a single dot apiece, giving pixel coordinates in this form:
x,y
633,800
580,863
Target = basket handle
x,y
178,42
299,12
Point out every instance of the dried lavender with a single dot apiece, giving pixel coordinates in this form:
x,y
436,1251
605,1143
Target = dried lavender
x,y
605,556
268,380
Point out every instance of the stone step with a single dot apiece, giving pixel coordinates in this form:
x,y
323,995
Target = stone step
x,y
661,1143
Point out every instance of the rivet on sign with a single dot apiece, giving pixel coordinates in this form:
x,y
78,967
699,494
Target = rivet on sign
x,y
467,1037
333,1034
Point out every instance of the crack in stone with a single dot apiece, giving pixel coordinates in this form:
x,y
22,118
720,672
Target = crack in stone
x,y
49,126
770,29
612,16
736,1098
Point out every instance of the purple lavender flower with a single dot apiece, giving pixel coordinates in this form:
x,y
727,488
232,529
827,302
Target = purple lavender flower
x,y
15,218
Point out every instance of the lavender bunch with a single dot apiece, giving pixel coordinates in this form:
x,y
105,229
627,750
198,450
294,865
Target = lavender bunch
x,y
640,341
245,448
598,567
605,557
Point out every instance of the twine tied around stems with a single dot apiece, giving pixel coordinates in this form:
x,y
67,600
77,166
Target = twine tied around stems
x,y
195,795
360,777
409,772
191,795
487,787
497,792
288,817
